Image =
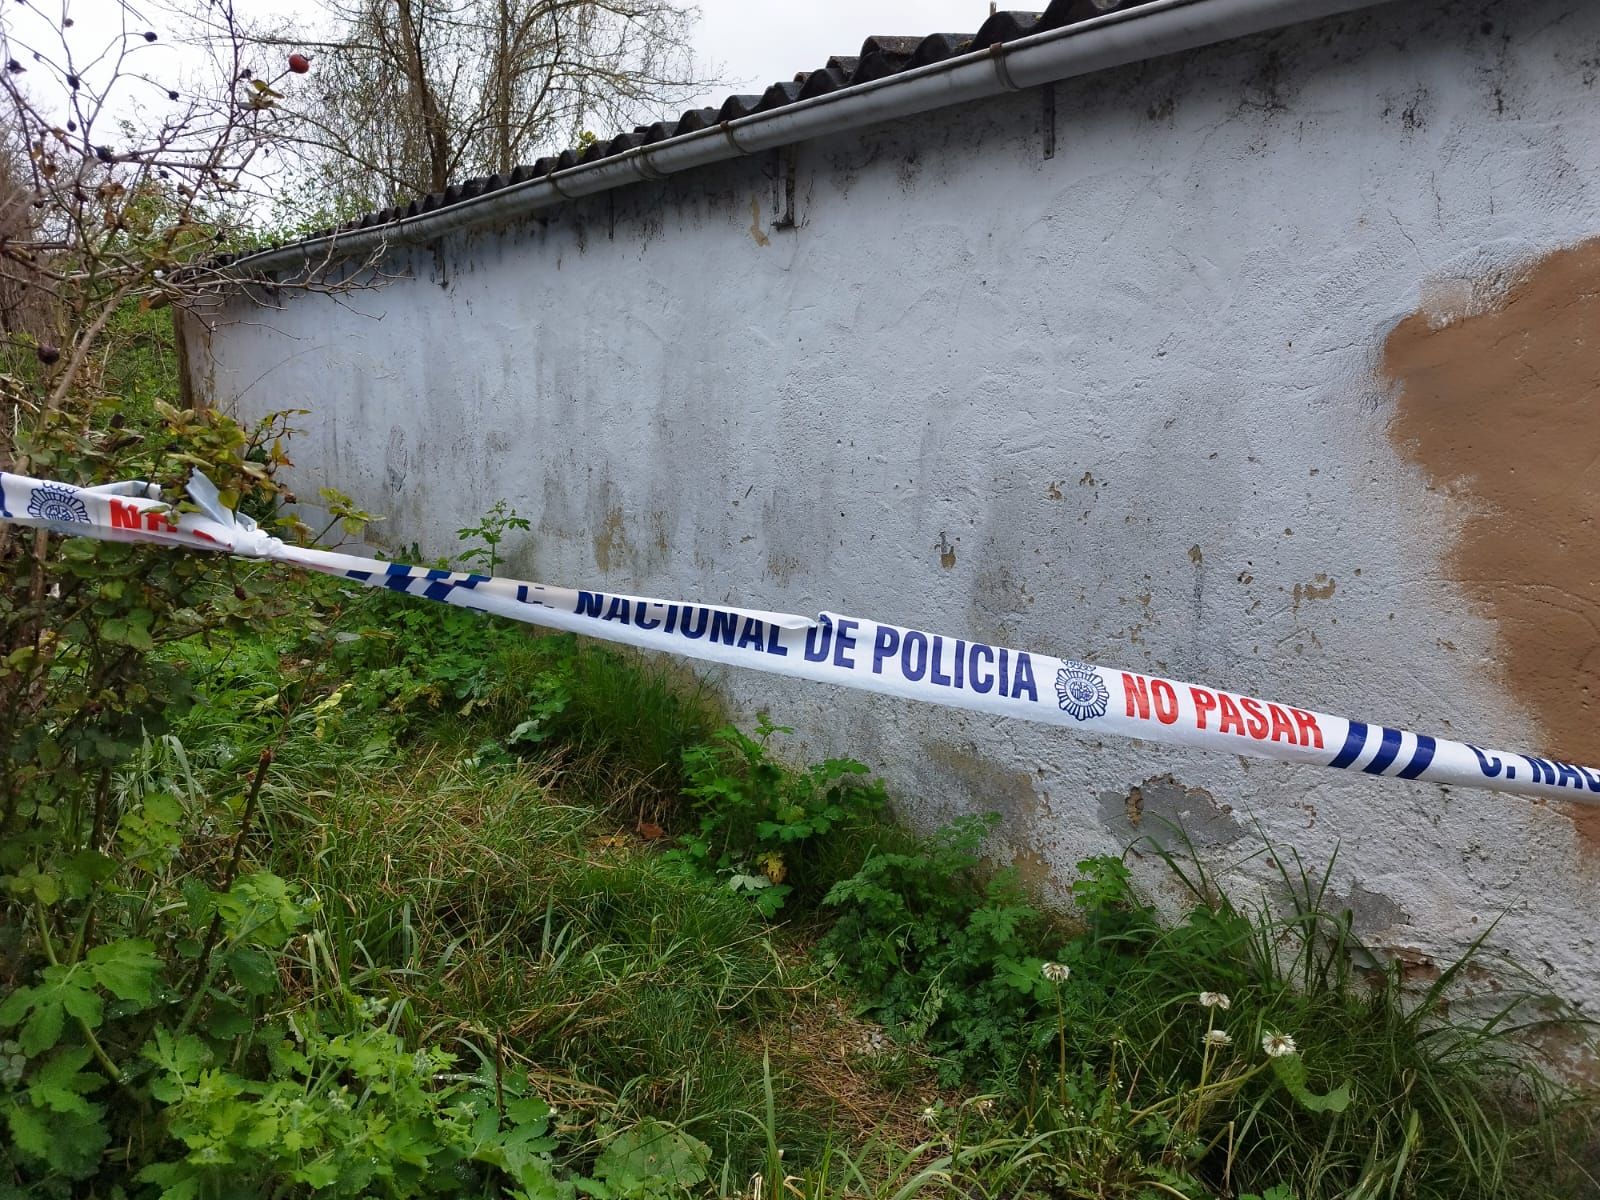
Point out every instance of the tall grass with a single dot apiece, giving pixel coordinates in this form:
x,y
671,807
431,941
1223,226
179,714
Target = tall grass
x,y
507,907
1436,1094
479,812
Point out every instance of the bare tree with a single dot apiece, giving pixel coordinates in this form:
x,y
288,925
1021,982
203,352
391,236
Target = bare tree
x,y
124,183
120,188
406,96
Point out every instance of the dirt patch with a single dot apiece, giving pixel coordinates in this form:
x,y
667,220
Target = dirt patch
x,y
872,1087
1501,408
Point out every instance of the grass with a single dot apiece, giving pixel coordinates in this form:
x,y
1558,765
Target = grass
x,y
509,908
480,813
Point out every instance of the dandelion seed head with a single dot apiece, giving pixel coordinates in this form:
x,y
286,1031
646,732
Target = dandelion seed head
x,y
1215,1000
1056,972
1218,1037
1278,1045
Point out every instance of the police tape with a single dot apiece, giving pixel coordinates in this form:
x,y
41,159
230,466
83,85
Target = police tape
x,y
852,652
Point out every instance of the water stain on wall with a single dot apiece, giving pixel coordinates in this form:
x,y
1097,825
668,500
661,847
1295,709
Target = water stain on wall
x,y
1501,408
611,543
993,786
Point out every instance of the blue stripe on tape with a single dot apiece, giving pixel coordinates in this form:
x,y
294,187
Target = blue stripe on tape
x,y
397,583
1386,752
1420,760
438,590
363,576
397,569
1354,742
436,573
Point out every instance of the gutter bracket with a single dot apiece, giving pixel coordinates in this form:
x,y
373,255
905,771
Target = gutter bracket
x,y
997,55
553,179
647,168
1047,120
786,172
727,132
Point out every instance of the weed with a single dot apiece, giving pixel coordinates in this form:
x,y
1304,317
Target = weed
x,y
490,531
949,959
763,827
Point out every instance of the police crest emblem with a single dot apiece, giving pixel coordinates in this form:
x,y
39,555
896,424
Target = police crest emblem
x,y
1081,691
49,503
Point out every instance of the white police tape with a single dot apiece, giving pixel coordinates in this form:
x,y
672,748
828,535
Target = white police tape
x,y
849,651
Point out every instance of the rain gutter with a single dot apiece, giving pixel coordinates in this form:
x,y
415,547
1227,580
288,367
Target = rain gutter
x,y
1130,35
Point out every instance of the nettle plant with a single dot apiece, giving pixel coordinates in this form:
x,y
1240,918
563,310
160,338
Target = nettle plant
x,y
761,824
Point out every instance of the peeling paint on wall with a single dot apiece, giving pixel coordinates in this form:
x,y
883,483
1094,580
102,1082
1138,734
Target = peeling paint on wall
x,y
1500,409
1320,588
1158,807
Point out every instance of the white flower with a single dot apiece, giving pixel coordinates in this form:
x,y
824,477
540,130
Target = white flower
x,y
1056,972
1215,1000
1218,1037
1278,1045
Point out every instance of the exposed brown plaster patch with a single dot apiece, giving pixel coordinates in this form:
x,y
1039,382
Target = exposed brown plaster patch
x,y
1203,819
1033,873
781,566
1501,408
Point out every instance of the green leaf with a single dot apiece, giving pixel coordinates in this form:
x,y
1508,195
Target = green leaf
x,y
1291,1072
29,1131
85,869
60,1085
43,1027
15,1007
69,1143
253,970
178,1181
652,1153
259,908
83,1003
127,968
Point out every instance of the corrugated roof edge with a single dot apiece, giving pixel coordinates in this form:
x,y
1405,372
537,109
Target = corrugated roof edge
x,y
892,77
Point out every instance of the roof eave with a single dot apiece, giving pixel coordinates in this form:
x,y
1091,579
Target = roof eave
x,y
1146,31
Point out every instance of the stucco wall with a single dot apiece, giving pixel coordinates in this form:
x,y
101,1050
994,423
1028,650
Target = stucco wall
x,y
1125,402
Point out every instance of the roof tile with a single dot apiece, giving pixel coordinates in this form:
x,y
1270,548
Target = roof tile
x,y
880,56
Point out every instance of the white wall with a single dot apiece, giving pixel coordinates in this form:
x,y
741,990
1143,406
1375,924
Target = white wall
x,y
1132,386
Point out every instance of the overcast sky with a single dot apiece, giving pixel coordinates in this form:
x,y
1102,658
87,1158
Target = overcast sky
x,y
749,43
746,44
759,42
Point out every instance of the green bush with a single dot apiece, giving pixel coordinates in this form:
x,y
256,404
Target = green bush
x,y
766,829
1233,1049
